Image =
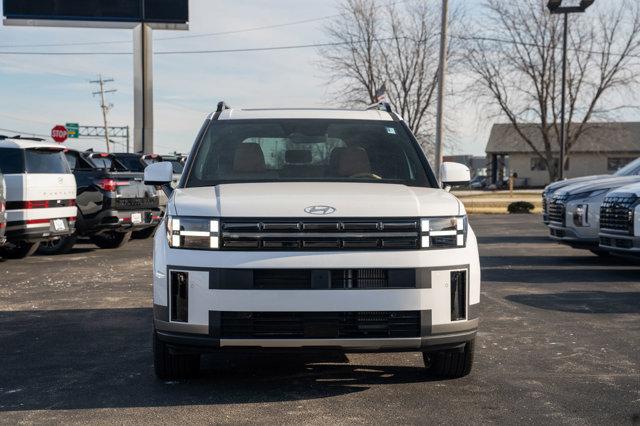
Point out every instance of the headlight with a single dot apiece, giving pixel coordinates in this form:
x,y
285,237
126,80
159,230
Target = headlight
x,y
581,215
588,194
200,233
443,232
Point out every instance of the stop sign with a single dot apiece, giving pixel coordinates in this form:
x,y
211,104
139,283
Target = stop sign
x,y
59,133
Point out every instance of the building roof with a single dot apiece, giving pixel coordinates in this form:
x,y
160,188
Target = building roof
x,y
308,113
597,137
28,143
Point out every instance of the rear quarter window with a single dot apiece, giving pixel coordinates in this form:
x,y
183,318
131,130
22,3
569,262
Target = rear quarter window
x,y
11,161
45,161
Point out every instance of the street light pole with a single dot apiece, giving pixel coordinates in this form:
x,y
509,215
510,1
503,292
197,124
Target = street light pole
x,y
442,71
555,7
563,125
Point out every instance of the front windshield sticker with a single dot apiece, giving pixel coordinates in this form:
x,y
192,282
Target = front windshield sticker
x,y
391,130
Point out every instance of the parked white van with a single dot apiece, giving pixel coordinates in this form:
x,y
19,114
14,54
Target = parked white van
x,y
40,194
302,229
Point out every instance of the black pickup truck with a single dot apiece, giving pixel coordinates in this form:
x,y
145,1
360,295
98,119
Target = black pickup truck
x,y
113,202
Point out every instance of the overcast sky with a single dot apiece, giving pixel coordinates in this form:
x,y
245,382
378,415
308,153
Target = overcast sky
x,y
38,92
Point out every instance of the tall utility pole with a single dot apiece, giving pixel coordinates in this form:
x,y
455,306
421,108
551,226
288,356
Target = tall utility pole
x,y
103,105
442,71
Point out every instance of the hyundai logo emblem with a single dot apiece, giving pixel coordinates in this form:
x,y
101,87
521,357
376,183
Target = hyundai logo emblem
x,y
320,210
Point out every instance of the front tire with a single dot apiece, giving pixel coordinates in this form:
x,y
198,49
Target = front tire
x,y
172,366
18,250
450,364
60,246
111,240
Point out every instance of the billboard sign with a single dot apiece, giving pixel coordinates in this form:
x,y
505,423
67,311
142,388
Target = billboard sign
x,y
148,11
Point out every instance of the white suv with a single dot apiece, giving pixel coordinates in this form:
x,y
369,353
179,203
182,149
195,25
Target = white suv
x,y
40,195
313,229
620,221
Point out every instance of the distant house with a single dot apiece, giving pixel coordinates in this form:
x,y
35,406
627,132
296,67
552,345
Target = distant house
x,y
603,148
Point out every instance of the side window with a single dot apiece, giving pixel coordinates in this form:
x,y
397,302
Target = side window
x,y
616,163
11,161
72,159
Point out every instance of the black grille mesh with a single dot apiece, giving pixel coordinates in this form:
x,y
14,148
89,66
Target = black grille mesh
x,y
319,325
616,214
556,209
306,234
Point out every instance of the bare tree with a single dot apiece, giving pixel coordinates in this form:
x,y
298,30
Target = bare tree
x,y
516,62
395,45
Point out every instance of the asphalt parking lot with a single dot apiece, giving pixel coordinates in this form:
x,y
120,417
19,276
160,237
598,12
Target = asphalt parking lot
x,y
559,338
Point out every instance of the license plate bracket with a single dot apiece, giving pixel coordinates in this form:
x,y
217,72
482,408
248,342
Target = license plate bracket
x,y
59,225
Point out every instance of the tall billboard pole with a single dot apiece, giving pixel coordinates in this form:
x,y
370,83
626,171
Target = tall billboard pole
x,y
143,89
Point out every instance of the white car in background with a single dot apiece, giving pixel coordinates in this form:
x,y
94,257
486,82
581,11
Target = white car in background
x,y
631,169
40,194
313,229
620,221
574,212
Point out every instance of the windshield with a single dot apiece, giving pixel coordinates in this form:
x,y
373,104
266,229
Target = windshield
x,y
307,150
131,162
177,167
46,161
631,169
149,161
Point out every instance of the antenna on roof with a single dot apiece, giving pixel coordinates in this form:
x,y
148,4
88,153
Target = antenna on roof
x,y
222,105
381,106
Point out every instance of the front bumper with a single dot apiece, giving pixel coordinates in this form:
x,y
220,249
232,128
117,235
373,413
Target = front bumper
x,y
571,237
621,244
228,284
451,336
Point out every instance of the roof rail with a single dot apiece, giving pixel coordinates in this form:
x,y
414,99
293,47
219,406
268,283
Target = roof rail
x,y
222,105
382,106
26,138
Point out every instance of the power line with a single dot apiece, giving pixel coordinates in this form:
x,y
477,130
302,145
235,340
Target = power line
x,y
19,132
291,47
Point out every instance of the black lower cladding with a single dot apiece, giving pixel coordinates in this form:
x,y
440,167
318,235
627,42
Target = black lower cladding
x,y
179,296
458,295
316,325
303,279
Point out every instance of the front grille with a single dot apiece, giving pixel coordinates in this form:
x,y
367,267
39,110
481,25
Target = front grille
x,y
616,214
319,325
296,234
136,203
556,209
544,204
316,279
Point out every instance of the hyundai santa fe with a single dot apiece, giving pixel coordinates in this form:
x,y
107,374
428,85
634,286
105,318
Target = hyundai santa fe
x,y
302,229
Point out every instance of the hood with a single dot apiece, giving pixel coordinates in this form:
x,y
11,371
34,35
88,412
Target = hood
x,y
608,183
627,190
290,199
553,187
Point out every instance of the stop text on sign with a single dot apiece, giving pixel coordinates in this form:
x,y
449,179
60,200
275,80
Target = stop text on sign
x,y
59,133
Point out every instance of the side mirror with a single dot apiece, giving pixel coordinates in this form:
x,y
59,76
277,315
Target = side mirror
x,y
454,174
159,174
